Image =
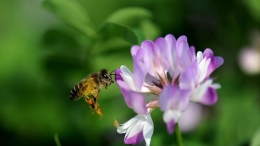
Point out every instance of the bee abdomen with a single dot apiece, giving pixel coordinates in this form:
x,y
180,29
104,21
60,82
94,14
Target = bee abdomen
x,y
76,92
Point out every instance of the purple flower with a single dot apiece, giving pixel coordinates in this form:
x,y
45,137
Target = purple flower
x,y
168,74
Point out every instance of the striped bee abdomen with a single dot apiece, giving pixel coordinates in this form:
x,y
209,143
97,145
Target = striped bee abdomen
x,y
76,92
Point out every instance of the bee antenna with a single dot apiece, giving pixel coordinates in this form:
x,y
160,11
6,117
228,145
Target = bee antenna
x,y
115,74
112,71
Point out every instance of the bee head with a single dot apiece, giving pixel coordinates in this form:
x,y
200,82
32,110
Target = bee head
x,y
105,76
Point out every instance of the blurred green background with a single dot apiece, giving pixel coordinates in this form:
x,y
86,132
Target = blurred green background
x,y
46,47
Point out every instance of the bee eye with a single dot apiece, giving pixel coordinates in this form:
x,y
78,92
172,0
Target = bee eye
x,y
105,76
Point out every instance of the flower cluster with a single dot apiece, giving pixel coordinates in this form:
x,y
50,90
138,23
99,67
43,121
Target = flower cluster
x,y
167,74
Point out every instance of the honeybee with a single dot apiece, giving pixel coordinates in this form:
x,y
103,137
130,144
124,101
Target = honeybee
x,y
89,88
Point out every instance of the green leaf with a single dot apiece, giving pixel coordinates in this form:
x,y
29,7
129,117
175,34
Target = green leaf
x,y
110,46
254,7
71,13
131,16
110,30
150,30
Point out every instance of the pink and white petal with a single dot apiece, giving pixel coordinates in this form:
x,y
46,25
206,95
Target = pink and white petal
x,y
125,91
210,68
122,128
167,93
144,88
134,49
170,52
160,45
148,130
171,56
218,61
140,69
203,69
170,126
171,117
176,73
183,54
215,61
173,98
207,52
179,40
127,76
200,90
134,133
184,97
139,55
189,77
183,51
215,85
133,99
148,46
205,94
138,103
192,53
118,75
199,56
210,97
153,57
123,87
134,139
213,65
125,71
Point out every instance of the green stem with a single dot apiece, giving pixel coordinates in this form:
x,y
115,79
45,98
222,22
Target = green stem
x,y
56,139
178,135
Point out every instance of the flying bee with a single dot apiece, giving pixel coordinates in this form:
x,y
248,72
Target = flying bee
x,y
89,88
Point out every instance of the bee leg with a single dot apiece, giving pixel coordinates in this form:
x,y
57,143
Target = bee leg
x,y
93,99
91,103
98,110
89,100
94,105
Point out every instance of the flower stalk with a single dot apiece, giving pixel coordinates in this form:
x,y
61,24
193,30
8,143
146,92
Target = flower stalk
x,y
177,134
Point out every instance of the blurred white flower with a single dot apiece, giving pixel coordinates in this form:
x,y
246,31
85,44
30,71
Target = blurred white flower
x,y
249,57
249,60
191,117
